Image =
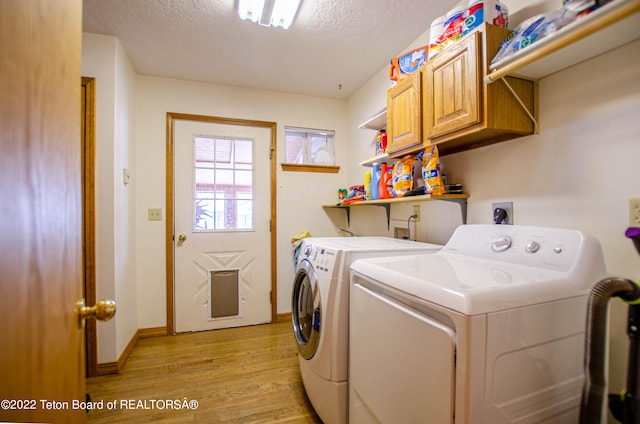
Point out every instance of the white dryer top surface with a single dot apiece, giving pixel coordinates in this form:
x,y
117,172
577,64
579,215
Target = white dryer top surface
x,y
363,244
489,268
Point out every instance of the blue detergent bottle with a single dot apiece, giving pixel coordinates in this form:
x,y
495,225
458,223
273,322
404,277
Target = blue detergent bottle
x,y
375,178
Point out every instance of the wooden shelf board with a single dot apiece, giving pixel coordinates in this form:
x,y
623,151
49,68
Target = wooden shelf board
x,y
421,198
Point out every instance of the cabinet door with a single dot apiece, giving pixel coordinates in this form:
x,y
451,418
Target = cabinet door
x,y
404,113
453,88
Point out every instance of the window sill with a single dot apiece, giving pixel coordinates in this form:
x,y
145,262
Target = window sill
x,y
294,167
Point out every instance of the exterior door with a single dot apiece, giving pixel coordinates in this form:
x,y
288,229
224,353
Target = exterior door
x,y
41,359
222,239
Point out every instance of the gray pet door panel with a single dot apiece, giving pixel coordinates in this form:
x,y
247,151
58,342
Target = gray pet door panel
x,y
224,294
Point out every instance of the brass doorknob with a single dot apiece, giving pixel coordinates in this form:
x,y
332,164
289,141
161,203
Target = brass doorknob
x,y
102,311
182,238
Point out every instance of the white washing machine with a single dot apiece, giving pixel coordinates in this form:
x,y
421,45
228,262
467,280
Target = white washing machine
x,y
489,330
320,313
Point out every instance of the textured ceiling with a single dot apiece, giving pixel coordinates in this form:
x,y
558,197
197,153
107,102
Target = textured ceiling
x,y
331,50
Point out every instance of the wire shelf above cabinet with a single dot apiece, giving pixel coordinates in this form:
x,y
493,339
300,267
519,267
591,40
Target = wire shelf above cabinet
x,y
614,24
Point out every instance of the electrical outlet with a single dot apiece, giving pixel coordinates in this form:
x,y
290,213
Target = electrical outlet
x,y
416,212
154,214
634,212
508,207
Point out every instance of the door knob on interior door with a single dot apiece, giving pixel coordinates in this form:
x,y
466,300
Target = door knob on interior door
x,y
102,311
182,238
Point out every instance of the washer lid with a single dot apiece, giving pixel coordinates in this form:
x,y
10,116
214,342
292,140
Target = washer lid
x,y
469,285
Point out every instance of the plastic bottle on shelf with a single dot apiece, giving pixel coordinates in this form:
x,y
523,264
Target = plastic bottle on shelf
x,y
367,185
384,183
375,178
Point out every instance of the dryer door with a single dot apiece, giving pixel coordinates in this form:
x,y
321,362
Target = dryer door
x,y
305,309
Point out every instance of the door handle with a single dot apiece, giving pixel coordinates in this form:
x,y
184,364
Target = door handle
x,y
182,238
102,311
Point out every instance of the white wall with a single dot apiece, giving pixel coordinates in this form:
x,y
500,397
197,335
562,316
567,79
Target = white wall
x,y
579,172
299,195
104,59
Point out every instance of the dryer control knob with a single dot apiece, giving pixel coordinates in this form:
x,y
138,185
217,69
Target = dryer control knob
x,y
501,244
307,250
532,246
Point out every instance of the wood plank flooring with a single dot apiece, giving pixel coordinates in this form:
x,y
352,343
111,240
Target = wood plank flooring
x,y
238,375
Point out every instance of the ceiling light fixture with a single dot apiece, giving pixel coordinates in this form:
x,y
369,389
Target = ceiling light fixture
x,y
277,13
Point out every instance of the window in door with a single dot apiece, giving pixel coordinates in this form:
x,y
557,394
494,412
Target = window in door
x,y
223,184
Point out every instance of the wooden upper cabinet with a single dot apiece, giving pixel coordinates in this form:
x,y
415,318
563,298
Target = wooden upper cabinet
x,y
404,115
453,79
460,111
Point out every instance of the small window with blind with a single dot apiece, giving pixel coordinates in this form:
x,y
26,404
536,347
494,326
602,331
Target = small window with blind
x,y
309,150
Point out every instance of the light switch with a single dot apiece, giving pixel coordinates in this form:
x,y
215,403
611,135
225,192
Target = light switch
x,y
154,214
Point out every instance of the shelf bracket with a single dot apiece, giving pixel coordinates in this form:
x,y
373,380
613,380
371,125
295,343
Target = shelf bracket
x,y
463,207
522,105
347,210
387,208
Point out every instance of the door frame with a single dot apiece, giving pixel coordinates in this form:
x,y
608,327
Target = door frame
x,y
169,229
88,140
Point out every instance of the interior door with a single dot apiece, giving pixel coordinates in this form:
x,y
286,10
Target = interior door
x,y
41,360
222,239
88,153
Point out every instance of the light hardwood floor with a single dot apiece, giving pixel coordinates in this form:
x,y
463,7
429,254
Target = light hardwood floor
x,y
239,375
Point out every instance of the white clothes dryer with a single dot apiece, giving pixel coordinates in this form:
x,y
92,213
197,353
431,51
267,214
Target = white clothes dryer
x,y
320,313
490,330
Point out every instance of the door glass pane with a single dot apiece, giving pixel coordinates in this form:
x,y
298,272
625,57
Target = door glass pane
x,y
223,184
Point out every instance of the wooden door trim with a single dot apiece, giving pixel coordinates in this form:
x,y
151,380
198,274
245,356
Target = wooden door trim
x,y
169,229
89,218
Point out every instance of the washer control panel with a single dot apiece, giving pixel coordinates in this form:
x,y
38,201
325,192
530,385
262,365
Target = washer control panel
x,y
322,258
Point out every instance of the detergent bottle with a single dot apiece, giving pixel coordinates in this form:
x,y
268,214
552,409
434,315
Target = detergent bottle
x,y
367,185
375,178
384,183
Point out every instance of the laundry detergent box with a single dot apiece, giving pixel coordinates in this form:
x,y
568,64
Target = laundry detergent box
x,y
480,11
463,18
407,63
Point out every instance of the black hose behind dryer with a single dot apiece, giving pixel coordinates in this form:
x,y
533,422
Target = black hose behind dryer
x,y
596,343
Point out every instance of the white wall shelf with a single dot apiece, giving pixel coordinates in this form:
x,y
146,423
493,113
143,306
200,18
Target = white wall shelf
x,y
376,122
379,159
